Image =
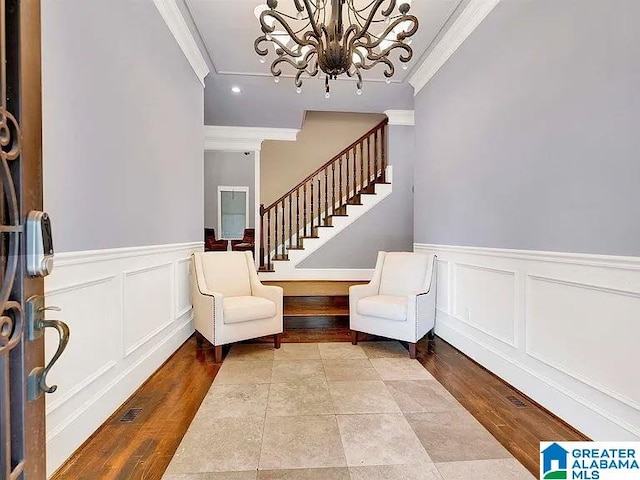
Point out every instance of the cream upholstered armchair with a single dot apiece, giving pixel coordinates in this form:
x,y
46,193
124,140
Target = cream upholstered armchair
x,y
230,304
400,300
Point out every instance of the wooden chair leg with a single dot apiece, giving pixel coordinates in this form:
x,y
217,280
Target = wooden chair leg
x,y
412,350
354,337
276,341
217,354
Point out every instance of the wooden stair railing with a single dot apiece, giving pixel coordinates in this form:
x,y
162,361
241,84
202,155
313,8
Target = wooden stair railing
x,y
322,195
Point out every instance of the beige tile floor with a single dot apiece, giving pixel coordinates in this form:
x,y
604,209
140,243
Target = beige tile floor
x,y
334,411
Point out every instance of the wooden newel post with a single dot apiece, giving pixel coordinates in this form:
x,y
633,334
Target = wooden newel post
x,y
261,236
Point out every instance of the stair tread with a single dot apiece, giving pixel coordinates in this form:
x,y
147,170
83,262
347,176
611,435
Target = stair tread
x,y
316,312
280,258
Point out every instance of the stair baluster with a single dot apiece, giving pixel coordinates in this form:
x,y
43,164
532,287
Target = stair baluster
x,y
355,171
368,160
298,245
361,165
312,216
262,233
340,186
348,191
290,221
304,206
375,156
333,189
383,173
268,239
283,244
319,205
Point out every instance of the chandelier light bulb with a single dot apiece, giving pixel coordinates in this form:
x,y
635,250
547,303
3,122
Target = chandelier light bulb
x,y
359,91
298,90
387,20
327,95
405,66
269,37
263,60
388,80
276,79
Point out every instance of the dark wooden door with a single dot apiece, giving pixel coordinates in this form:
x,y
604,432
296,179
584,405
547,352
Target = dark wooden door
x,y
22,427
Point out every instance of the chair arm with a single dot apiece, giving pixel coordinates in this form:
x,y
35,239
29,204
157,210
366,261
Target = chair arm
x,y
361,291
270,292
356,292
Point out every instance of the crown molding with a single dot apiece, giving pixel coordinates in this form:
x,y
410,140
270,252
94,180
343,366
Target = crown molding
x,y
462,28
400,117
177,24
243,139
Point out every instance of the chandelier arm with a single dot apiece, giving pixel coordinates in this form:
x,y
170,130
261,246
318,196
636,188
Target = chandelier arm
x,y
285,25
390,70
286,49
277,71
389,11
311,72
387,31
312,19
256,45
357,74
403,58
373,12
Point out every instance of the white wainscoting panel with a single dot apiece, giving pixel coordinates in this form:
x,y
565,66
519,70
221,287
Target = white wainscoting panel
x,y
489,308
148,304
563,328
128,310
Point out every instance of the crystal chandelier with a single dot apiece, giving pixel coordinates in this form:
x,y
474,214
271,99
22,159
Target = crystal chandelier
x,y
336,37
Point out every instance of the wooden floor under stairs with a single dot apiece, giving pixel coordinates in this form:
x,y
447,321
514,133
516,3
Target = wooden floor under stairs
x,y
315,309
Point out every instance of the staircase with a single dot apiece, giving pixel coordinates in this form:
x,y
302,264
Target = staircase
x,y
323,204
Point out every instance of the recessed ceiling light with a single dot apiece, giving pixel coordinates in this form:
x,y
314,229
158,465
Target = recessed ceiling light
x,y
236,89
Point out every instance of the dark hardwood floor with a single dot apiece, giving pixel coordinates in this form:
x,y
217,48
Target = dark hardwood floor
x,y
143,448
519,428
170,398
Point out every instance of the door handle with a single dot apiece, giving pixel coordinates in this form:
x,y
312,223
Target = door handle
x,y
38,376
36,325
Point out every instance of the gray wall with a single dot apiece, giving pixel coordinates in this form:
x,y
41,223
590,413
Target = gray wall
x,y
122,127
232,169
388,226
527,138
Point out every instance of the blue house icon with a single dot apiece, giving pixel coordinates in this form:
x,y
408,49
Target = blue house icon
x,y
554,452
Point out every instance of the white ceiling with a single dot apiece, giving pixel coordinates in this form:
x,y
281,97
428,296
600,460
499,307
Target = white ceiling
x,y
229,29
